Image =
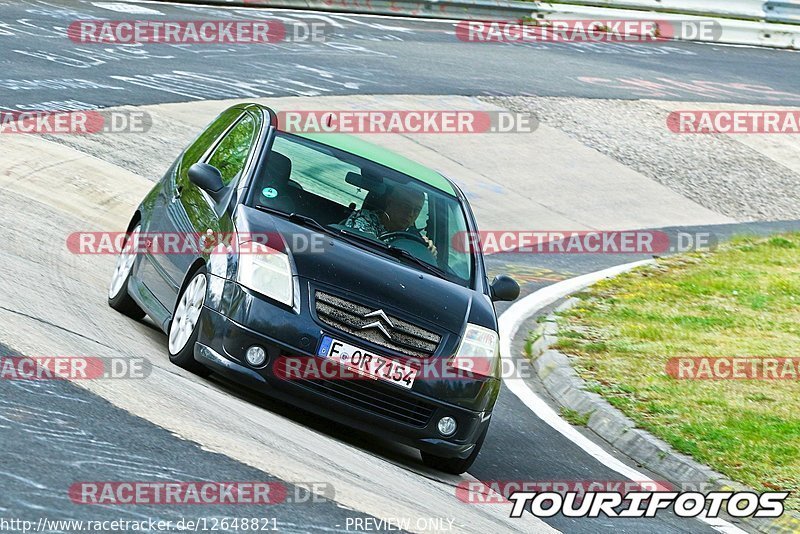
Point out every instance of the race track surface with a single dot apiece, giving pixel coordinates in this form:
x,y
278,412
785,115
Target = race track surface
x,y
175,426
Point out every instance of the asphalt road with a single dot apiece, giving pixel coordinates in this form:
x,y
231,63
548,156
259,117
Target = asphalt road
x,y
59,432
41,69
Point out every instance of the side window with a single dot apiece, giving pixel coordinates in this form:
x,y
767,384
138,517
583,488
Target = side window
x,y
422,218
231,154
459,257
204,141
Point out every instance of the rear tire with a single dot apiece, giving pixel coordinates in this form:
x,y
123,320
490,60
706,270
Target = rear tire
x,y
184,326
118,296
454,466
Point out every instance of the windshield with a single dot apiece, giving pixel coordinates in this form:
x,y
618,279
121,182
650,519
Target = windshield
x,y
365,202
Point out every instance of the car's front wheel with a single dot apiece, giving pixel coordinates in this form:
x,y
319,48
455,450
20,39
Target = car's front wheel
x,y
184,327
454,466
118,297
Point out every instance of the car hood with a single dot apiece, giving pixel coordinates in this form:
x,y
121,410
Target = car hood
x,y
371,276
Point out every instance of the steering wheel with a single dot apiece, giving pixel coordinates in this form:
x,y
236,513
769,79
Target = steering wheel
x,y
389,237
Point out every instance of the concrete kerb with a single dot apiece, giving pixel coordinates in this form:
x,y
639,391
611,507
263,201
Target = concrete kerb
x,y
734,31
556,373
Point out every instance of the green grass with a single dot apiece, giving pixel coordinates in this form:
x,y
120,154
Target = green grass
x,y
742,300
574,417
533,335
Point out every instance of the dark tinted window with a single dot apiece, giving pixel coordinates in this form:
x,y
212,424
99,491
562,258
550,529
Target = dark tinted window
x,y
206,140
231,154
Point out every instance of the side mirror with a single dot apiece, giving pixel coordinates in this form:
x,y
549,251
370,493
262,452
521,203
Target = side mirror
x,y
504,288
208,178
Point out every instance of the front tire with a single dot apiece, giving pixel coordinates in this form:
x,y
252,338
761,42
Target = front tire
x,y
454,466
118,296
184,327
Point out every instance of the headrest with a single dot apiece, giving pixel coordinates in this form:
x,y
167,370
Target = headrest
x,y
278,171
374,201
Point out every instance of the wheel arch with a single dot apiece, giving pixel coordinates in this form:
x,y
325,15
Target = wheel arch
x,y
136,219
198,264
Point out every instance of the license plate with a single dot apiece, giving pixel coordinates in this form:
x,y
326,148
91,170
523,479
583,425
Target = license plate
x,y
366,363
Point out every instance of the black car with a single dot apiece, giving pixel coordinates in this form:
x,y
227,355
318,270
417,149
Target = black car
x,y
322,252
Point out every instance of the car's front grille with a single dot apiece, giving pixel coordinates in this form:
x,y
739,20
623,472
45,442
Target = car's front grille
x,y
368,395
373,325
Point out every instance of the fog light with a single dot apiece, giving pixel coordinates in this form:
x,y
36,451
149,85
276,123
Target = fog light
x,y
447,426
256,356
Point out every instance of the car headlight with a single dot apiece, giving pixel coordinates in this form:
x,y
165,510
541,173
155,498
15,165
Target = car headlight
x,y
269,272
478,351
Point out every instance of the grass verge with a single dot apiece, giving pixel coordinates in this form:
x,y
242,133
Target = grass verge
x,y
742,300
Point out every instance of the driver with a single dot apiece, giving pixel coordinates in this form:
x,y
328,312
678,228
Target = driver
x,y
402,207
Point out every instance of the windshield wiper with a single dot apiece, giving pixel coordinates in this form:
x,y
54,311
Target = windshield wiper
x,y
397,253
296,217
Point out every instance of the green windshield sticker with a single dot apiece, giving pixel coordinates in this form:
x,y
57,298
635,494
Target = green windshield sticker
x,y
269,192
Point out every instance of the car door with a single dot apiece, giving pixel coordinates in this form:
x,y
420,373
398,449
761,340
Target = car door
x,y
156,273
190,212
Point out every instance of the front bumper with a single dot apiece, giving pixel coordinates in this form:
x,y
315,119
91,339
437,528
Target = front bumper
x,y
244,319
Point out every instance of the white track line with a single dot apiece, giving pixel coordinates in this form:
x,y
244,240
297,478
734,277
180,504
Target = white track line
x,y
510,322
